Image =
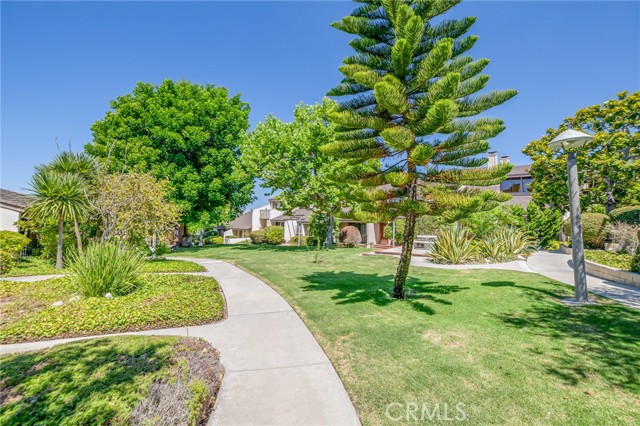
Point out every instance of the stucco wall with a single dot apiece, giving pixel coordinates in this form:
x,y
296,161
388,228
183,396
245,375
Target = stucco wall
x,y
8,218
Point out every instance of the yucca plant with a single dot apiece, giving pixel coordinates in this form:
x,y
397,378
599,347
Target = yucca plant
x,y
454,245
105,267
491,248
515,241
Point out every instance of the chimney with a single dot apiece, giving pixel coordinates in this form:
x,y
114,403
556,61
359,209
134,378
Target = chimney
x,y
504,159
493,158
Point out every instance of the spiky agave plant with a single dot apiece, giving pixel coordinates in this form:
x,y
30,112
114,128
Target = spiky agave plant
x,y
409,95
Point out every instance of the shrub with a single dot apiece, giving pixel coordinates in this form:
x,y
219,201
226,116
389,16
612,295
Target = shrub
x,y
629,215
318,226
6,261
635,262
594,229
273,235
11,246
294,240
105,267
625,236
484,223
491,248
257,237
596,208
543,226
425,225
454,245
214,239
350,236
515,242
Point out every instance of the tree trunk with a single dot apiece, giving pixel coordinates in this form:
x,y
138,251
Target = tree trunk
x,y
76,229
182,234
60,233
330,231
407,248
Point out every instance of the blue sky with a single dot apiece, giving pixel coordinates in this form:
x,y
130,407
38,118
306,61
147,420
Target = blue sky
x,y
62,62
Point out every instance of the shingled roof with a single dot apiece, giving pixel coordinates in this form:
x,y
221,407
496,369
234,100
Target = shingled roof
x,y
241,222
14,200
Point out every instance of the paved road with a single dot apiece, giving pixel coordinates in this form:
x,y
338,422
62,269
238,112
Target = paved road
x,y
276,373
558,266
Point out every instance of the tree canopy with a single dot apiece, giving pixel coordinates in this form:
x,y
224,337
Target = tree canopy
x,y
187,134
609,166
409,95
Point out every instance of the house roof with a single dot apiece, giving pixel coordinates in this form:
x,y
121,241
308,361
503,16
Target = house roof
x,y
240,222
296,214
520,170
14,200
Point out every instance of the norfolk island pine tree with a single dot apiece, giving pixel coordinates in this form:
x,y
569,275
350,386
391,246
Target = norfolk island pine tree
x,y
407,100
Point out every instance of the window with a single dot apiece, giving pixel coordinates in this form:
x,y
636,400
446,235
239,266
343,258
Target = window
x,y
519,185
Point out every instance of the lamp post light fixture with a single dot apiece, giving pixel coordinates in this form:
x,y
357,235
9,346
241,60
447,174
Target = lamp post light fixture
x,y
569,141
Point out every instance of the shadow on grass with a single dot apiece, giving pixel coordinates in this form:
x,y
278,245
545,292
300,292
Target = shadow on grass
x,y
244,248
601,340
88,382
351,287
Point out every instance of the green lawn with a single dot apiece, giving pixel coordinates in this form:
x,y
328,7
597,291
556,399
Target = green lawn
x,y
161,301
614,260
111,381
169,265
496,341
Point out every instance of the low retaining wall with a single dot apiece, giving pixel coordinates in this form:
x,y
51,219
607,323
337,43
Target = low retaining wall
x,y
607,272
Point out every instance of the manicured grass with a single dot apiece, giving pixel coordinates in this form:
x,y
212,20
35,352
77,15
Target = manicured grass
x,y
161,301
111,381
614,260
170,265
33,266
496,341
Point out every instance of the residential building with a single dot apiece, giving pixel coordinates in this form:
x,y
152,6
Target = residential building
x,y
12,205
517,183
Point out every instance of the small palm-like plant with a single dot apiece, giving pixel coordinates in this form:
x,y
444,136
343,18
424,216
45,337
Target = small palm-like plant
x,y
105,267
58,195
515,241
454,245
491,248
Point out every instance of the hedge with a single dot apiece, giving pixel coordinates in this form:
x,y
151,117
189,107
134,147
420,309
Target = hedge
x,y
630,215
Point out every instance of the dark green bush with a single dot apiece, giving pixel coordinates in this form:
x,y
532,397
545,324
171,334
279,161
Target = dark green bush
x,y
257,237
106,267
273,235
594,229
630,215
318,229
543,225
294,240
11,245
635,262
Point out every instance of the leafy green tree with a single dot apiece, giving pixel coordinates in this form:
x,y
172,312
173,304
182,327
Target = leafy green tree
x,y
188,134
83,166
410,92
287,157
609,166
58,195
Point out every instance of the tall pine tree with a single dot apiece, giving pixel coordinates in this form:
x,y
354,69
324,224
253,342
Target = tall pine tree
x,y
408,96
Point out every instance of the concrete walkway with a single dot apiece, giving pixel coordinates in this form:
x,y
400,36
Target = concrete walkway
x,y
276,373
558,266
516,265
31,278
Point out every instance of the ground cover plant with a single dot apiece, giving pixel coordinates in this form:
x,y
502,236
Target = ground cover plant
x,y
160,301
496,341
171,265
614,260
119,380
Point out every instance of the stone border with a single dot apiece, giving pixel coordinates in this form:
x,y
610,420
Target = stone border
x,y
607,272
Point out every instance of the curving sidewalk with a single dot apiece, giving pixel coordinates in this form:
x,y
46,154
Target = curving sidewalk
x,y
276,373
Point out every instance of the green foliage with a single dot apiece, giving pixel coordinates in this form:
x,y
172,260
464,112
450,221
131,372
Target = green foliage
x,y
621,261
107,379
454,246
629,215
188,134
409,117
273,235
594,229
635,262
171,265
11,246
350,236
515,242
294,240
214,239
257,237
158,302
596,208
425,225
609,165
105,267
31,265
543,225
318,228
484,223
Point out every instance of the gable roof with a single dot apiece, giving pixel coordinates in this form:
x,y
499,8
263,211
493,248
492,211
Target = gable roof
x,y
240,222
14,200
296,214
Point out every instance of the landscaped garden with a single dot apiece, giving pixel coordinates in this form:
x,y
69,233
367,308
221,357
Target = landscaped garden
x,y
117,381
497,341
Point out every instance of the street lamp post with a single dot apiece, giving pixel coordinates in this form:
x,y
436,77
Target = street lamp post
x,y
570,140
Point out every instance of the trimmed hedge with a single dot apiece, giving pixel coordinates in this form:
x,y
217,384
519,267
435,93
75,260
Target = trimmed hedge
x,y
594,229
350,236
630,215
274,235
214,239
257,237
